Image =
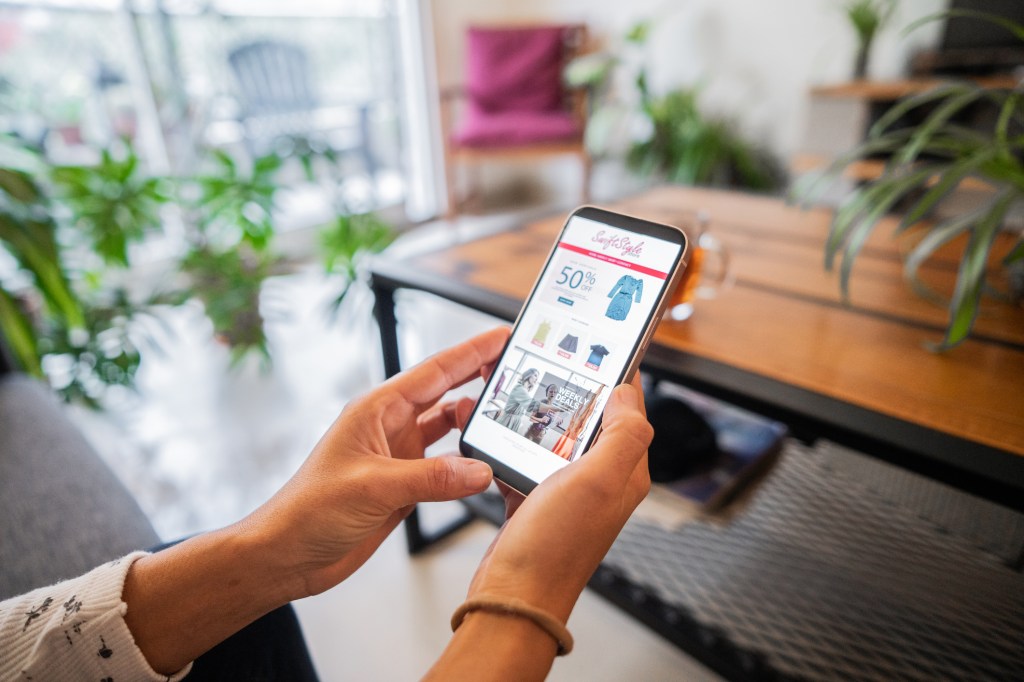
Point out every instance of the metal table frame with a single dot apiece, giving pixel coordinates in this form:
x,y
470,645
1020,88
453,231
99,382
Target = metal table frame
x,y
981,470
973,467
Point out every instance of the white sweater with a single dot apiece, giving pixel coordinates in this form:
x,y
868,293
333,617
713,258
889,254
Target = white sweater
x,y
74,630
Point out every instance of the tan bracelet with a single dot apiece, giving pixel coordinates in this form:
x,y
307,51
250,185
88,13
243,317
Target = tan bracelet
x,y
510,606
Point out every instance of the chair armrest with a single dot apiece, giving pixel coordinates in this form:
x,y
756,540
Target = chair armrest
x,y
450,96
453,92
579,103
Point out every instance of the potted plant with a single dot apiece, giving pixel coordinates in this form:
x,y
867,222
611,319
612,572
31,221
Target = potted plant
x,y
68,229
687,147
679,142
867,17
231,251
928,162
229,213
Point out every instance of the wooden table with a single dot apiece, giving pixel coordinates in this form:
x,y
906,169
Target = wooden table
x,y
781,342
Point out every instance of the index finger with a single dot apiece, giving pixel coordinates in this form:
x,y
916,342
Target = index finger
x,y
435,376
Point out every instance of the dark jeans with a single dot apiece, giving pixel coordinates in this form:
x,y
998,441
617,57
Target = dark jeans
x,y
272,649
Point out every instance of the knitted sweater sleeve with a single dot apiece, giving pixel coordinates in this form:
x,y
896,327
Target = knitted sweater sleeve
x,y
74,630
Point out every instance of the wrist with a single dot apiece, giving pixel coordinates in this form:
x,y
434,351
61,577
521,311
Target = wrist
x,y
489,645
189,597
557,597
504,606
521,633
266,561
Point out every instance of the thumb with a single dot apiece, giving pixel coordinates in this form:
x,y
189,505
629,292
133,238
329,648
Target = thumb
x,y
433,479
625,433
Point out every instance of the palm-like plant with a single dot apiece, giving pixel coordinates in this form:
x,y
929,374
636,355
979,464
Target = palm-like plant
x,y
29,234
928,162
867,17
231,248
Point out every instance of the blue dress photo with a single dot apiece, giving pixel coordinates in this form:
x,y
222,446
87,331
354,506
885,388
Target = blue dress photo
x,y
625,292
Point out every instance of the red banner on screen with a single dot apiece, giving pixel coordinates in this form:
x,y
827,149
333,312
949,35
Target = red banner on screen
x,y
614,261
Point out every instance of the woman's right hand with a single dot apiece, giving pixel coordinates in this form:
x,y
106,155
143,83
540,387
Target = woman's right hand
x,y
555,538
549,547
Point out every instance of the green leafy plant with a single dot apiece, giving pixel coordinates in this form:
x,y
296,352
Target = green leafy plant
x,y
346,241
686,147
61,321
230,252
928,162
229,282
111,202
867,17
59,315
682,143
39,286
233,205
65,230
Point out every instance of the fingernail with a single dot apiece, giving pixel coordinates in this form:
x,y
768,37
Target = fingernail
x,y
626,395
478,474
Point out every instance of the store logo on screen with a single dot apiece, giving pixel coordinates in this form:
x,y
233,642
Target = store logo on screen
x,y
621,244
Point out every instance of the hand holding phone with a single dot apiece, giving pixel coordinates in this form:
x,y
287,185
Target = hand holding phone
x,y
583,330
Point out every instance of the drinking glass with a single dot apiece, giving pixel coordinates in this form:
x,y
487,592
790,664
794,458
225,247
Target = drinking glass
x,y
708,272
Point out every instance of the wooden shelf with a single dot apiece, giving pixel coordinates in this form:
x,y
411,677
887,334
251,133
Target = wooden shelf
x,y
866,170
890,91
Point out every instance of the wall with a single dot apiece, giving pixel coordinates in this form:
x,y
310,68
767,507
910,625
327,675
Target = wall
x,y
756,58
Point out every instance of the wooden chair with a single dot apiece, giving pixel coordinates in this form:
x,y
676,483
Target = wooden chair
x,y
516,104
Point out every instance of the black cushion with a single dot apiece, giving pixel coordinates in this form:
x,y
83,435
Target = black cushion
x,y
684,442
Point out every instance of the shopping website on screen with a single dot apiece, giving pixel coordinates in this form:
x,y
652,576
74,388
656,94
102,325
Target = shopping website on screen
x,y
571,346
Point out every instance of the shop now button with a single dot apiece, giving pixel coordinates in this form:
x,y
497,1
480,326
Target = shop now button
x,y
567,301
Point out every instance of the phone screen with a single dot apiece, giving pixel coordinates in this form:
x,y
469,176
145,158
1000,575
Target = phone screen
x,y
573,343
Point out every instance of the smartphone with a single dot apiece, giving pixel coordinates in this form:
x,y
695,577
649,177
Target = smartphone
x,y
583,330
